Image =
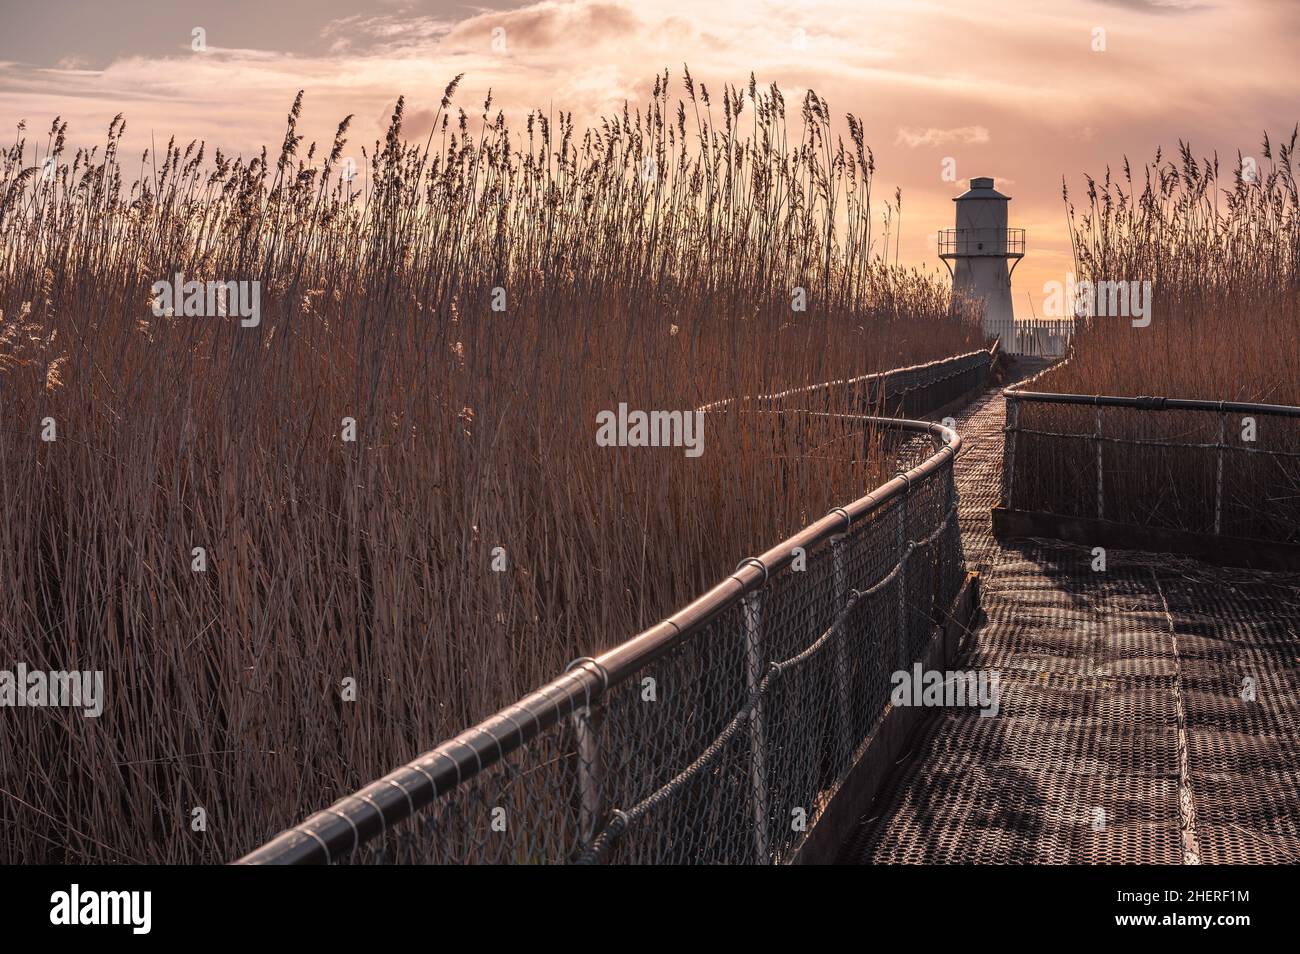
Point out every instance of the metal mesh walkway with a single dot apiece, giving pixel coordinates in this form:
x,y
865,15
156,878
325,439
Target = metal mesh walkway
x,y
1149,712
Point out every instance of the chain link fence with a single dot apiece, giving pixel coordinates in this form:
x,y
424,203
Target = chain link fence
x,y
1218,468
718,735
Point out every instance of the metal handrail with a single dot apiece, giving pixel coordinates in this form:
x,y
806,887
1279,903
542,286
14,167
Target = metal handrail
x,y
1146,403
966,361
368,813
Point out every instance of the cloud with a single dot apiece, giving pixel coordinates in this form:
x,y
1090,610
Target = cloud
x,y
1158,6
385,34
573,27
914,136
416,123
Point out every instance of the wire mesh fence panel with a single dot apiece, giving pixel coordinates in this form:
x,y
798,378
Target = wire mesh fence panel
x,y
675,798
903,392
1203,467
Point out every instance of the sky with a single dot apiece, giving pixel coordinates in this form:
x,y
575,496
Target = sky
x,y
1026,92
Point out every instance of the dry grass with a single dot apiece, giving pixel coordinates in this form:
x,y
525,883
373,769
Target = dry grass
x,y
1224,262
372,559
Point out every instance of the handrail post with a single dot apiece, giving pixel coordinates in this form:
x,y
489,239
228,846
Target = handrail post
x,y
1009,450
838,560
1101,507
903,656
1218,476
588,775
752,610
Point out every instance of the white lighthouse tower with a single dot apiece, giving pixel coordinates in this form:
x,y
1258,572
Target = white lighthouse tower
x,y
981,246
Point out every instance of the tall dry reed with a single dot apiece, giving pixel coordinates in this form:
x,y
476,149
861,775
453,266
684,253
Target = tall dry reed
x,y
649,260
1223,260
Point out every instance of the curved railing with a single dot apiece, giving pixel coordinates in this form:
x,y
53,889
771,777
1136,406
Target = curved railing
x,y
717,735
917,389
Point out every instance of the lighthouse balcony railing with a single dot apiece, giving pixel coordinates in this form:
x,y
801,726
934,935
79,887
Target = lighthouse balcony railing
x,y
970,243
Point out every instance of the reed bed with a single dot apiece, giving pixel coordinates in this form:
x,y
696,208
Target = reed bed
x,y
1222,253
1223,258
650,259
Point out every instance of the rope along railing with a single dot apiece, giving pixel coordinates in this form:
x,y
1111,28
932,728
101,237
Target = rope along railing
x,y
717,735
620,820
1224,468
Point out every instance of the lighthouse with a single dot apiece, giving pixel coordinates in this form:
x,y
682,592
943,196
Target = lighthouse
x,y
983,253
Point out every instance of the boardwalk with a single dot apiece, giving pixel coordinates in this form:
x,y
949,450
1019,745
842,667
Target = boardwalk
x,y
1149,712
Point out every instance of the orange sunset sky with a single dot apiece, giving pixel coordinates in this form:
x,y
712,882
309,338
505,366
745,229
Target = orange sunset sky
x,y
1016,90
